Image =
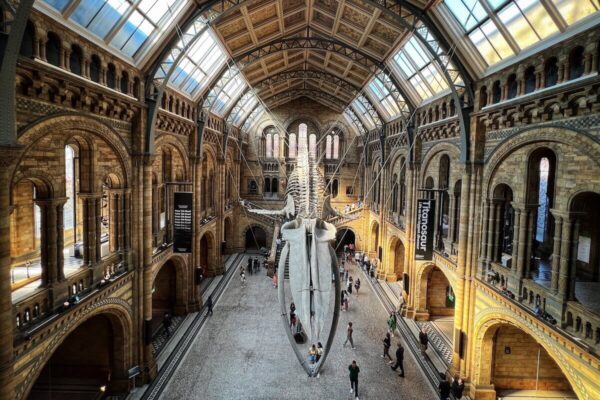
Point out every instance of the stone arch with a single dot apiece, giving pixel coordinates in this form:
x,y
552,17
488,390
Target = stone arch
x,y
396,257
30,134
374,238
428,275
250,238
177,273
208,248
303,118
484,328
343,237
119,313
451,150
175,143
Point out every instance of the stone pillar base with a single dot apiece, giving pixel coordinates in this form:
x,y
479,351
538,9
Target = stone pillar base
x,y
60,293
514,285
555,306
421,315
482,392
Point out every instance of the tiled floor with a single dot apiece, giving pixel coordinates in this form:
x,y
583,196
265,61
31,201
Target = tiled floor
x,y
243,353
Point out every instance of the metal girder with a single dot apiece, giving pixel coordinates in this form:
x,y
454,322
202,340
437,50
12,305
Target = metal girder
x,y
360,127
239,104
413,19
16,16
312,94
308,74
250,119
371,110
250,57
226,74
390,83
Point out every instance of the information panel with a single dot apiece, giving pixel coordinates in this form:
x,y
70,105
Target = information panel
x,y
424,229
182,222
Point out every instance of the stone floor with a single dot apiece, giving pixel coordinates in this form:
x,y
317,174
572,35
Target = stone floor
x,y
243,353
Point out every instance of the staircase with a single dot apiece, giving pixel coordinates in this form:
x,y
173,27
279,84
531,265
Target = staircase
x,y
287,262
266,219
346,217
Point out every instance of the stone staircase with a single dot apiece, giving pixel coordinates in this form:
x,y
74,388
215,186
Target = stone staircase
x,y
346,217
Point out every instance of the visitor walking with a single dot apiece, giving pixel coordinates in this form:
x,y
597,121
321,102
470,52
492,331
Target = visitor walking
x,y
399,360
354,370
444,388
209,305
167,321
387,343
349,332
349,285
243,279
423,341
357,285
458,387
392,323
275,280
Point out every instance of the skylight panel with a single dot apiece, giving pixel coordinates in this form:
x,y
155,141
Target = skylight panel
x,y
57,4
228,95
155,10
245,109
364,115
574,10
383,99
99,16
500,28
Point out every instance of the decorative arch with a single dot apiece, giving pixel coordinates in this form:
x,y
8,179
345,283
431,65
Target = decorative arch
x,y
452,150
170,140
71,122
179,263
493,316
396,257
118,312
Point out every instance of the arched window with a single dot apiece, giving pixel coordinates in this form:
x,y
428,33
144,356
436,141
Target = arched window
x,y
267,187
456,211
95,67
328,147
269,145
124,82
483,97
530,79
511,85
496,92
76,59
334,189
274,186
576,63
402,187
26,49
111,76
292,146
276,145
540,186
53,46
312,146
444,181
336,146
395,193
551,72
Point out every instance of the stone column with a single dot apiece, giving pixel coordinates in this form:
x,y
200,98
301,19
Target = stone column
x,y
531,214
556,251
497,208
572,273
515,245
60,239
113,223
563,269
48,241
150,368
88,202
97,203
8,157
484,237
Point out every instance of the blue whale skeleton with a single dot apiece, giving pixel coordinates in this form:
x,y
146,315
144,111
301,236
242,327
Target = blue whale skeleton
x,y
311,258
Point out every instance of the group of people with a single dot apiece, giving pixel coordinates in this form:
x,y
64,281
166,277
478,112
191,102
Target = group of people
x,y
253,265
315,353
456,387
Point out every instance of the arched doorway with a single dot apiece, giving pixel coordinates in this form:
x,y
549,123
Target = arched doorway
x,y
255,238
436,300
513,363
344,236
206,251
227,234
164,294
374,237
396,257
78,370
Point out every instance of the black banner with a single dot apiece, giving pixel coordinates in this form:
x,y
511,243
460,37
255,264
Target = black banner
x,y
424,234
182,222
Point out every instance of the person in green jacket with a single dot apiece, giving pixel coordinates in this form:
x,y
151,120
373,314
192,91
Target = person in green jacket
x,y
354,370
392,323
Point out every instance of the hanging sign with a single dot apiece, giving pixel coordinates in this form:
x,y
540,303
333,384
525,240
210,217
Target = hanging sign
x,y
182,222
424,229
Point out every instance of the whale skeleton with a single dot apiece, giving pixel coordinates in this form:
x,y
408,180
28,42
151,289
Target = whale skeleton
x,y
310,256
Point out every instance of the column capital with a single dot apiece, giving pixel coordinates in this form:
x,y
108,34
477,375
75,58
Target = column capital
x,y
567,215
55,201
89,195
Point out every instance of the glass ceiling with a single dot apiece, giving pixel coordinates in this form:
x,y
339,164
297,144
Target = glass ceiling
x,y
125,25
201,63
227,97
242,108
383,99
253,117
500,29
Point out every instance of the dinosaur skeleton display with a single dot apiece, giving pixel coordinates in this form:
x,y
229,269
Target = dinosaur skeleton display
x,y
308,251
